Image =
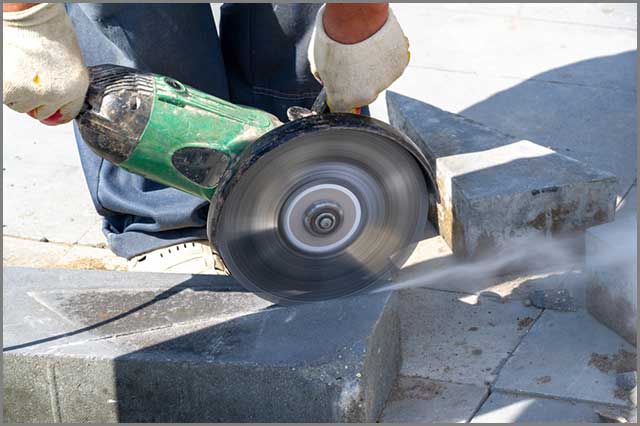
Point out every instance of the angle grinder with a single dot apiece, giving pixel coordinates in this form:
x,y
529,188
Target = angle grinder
x,y
316,208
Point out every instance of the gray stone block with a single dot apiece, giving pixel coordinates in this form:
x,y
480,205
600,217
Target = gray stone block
x,y
493,187
612,267
111,346
628,380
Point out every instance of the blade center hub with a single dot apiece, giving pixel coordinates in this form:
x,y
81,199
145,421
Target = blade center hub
x,y
322,218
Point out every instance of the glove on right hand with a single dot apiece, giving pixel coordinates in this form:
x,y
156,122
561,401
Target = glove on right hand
x,y
44,73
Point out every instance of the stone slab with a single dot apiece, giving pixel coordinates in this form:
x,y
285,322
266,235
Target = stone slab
x,y
418,400
494,187
112,346
451,337
612,266
568,355
507,408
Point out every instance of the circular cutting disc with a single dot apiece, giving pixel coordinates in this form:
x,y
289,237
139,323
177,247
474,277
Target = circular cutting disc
x,y
321,215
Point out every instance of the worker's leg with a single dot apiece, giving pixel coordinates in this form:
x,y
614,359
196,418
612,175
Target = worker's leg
x,y
175,40
265,53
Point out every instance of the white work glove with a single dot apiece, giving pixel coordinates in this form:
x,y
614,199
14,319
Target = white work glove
x,y
354,74
43,73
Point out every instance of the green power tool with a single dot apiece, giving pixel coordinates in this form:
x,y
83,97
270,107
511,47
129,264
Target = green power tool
x,y
316,208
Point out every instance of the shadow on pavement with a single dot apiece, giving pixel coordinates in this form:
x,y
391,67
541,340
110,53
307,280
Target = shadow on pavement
x,y
586,110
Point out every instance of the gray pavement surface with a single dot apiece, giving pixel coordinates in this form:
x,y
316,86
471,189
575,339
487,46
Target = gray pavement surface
x,y
448,337
506,408
562,75
569,355
421,400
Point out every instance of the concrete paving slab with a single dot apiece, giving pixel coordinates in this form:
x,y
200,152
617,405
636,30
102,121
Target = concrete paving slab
x,y
484,43
22,252
569,356
37,254
45,194
418,400
490,184
506,408
94,236
612,268
615,15
446,337
87,257
112,346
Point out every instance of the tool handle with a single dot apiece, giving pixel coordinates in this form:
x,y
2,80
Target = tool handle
x,y
320,104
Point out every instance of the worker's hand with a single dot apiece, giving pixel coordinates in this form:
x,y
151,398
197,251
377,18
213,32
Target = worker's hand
x,y
356,51
43,73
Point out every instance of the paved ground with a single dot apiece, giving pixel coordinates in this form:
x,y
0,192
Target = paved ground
x,y
559,75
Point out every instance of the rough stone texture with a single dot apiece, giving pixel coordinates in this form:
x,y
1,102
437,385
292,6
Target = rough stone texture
x,y
494,187
568,355
459,338
628,380
418,400
110,346
558,300
505,408
612,265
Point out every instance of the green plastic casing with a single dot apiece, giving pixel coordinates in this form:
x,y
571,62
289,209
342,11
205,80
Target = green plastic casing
x,y
182,117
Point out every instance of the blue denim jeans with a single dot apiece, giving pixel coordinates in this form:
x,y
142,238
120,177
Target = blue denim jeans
x,y
259,59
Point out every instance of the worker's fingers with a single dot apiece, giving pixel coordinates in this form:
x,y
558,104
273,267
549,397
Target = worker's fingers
x,y
67,113
355,74
43,71
18,99
43,111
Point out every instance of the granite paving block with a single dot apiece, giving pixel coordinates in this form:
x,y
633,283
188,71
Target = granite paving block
x,y
112,346
507,408
494,187
445,337
569,355
612,268
418,400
